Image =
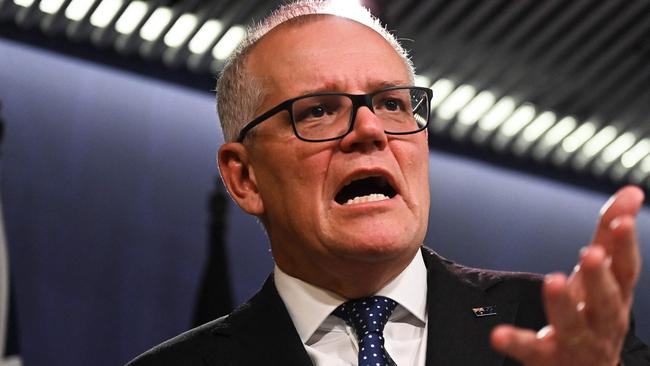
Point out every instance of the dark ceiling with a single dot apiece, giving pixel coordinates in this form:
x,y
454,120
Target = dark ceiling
x,y
556,87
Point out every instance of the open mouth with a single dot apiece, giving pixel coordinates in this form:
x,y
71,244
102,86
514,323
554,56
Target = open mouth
x,y
369,189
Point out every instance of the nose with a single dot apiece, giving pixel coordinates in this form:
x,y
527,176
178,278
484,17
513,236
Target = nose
x,y
367,133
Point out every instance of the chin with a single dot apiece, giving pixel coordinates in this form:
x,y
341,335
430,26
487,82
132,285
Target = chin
x,y
376,247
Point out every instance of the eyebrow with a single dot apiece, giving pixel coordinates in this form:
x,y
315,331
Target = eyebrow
x,y
374,85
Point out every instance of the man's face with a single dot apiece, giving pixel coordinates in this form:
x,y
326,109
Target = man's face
x,y
304,186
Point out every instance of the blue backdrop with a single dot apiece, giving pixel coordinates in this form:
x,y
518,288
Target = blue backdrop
x,y
106,178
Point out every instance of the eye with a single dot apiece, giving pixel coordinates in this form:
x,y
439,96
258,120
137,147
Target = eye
x,y
317,111
391,104
310,113
318,108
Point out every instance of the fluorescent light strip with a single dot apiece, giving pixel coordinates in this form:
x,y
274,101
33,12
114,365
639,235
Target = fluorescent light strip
x,y
342,6
205,36
421,80
645,166
229,42
477,108
457,100
50,6
24,3
131,17
579,137
497,114
603,138
635,154
561,130
156,23
618,147
472,107
181,29
520,118
551,138
542,123
105,12
78,9
441,90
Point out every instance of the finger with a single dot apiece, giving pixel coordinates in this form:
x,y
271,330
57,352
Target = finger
x,y
520,344
561,309
574,282
626,202
604,308
626,257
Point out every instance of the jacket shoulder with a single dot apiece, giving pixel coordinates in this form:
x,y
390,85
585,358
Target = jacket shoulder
x,y
187,348
516,286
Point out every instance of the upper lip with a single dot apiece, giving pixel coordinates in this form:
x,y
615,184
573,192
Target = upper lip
x,y
366,173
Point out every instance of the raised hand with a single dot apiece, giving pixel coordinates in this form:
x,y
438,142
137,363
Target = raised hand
x,y
588,312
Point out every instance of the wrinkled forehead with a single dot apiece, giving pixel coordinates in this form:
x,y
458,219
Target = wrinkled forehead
x,y
296,24
292,34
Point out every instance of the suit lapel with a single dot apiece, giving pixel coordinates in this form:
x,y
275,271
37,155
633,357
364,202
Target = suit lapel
x,y
262,332
456,335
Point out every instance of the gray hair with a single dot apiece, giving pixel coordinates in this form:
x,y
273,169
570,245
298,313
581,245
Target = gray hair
x,y
239,94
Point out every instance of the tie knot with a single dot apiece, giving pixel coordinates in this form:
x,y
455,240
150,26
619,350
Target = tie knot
x,y
367,315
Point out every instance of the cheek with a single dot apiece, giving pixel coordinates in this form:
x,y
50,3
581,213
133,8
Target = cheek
x,y
297,171
415,163
415,169
311,166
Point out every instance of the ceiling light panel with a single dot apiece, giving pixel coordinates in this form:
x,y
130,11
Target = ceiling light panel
x,y
497,114
477,108
636,154
618,147
457,100
24,3
641,174
229,42
421,80
575,140
50,6
78,9
470,114
105,12
441,90
181,30
206,36
554,136
156,23
533,131
611,154
594,146
521,117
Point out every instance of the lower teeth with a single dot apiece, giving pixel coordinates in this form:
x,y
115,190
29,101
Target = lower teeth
x,y
369,198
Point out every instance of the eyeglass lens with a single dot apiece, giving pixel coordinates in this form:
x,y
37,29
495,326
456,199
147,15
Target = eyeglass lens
x,y
329,116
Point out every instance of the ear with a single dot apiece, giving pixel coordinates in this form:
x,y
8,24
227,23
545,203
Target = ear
x,y
239,177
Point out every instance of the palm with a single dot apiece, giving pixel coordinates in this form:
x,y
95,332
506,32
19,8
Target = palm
x,y
588,312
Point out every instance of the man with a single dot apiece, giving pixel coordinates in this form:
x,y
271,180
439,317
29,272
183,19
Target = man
x,y
327,146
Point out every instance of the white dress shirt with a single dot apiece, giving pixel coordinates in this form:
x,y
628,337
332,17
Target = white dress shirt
x,y
329,341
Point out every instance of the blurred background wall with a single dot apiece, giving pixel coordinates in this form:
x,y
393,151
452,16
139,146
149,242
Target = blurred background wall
x,y
106,179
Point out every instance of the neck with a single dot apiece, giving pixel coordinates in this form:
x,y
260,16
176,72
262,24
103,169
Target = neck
x,y
350,278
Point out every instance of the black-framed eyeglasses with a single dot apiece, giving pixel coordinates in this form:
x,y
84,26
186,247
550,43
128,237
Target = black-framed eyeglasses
x,y
329,116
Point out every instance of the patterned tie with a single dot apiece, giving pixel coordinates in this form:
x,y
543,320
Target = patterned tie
x,y
368,316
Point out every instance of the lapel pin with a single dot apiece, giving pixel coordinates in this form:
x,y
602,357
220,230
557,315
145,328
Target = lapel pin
x,y
485,311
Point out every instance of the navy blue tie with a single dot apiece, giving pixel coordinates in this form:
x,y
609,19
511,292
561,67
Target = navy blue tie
x,y
368,316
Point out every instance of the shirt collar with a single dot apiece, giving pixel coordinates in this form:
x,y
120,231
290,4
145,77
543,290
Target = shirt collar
x,y
309,305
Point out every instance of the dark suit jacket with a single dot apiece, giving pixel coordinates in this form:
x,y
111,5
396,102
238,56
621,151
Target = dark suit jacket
x,y
261,332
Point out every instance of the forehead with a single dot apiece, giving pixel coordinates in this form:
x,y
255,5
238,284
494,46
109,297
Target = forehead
x,y
324,53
